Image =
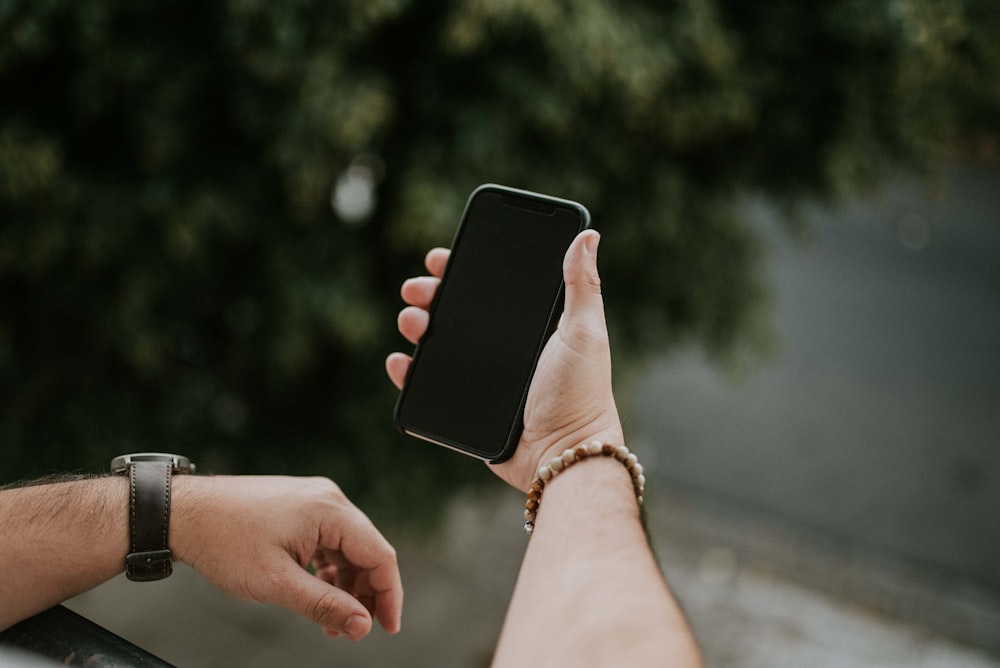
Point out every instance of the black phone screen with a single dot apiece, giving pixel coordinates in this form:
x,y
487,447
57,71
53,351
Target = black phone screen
x,y
499,299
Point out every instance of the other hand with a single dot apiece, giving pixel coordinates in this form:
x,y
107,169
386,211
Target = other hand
x,y
254,537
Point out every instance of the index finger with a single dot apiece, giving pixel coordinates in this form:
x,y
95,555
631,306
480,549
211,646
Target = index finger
x,y
388,587
364,547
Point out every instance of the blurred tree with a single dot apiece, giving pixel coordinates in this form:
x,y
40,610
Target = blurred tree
x,y
206,207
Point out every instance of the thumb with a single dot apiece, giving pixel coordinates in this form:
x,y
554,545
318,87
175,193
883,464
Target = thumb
x,y
584,304
330,607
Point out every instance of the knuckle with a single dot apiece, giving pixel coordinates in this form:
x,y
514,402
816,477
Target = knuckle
x,y
326,610
589,281
322,495
383,554
325,487
592,282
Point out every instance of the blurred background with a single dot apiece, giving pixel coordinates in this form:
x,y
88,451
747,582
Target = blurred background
x,y
206,209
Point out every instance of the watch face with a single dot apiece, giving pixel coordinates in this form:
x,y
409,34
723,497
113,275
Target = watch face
x,y
180,463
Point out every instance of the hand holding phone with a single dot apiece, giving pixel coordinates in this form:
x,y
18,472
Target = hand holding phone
x,y
570,400
499,300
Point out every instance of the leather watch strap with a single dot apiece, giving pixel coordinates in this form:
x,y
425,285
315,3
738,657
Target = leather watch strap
x,y
149,555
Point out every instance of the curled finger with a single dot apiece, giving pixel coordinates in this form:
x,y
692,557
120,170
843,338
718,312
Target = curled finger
x,y
374,558
436,260
419,291
332,608
397,365
412,323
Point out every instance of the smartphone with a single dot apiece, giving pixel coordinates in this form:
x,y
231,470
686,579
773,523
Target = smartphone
x,y
499,300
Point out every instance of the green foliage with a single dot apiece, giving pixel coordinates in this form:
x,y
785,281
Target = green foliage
x,y
172,275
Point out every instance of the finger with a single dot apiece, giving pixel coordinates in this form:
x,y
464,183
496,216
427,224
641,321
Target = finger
x,y
396,365
436,260
324,558
387,586
333,609
420,291
412,323
330,566
584,303
329,573
364,547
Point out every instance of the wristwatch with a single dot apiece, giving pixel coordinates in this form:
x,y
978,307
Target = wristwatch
x,y
149,476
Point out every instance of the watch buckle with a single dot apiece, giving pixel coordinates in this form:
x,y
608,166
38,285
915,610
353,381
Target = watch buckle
x,y
148,566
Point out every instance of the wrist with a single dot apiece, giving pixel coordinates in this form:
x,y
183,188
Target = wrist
x,y
611,434
553,445
150,476
573,458
188,503
592,495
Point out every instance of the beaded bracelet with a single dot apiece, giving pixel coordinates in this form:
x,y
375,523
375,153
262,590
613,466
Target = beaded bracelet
x,y
571,456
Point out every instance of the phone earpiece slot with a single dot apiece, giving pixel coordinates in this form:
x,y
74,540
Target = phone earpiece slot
x,y
541,208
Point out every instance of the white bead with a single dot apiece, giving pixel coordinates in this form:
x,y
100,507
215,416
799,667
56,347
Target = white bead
x,y
639,499
636,469
545,473
632,460
556,464
568,457
594,447
640,481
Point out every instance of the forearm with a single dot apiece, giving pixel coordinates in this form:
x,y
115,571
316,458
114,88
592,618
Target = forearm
x,y
588,523
59,540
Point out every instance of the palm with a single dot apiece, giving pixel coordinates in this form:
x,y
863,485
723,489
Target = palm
x,y
569,400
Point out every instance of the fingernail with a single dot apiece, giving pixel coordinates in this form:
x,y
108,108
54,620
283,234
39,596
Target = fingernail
x,y
591,243
356,627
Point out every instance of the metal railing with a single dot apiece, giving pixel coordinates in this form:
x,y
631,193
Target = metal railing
x,y
68,639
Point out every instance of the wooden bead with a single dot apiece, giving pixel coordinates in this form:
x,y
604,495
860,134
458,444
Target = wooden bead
x,y
566,459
